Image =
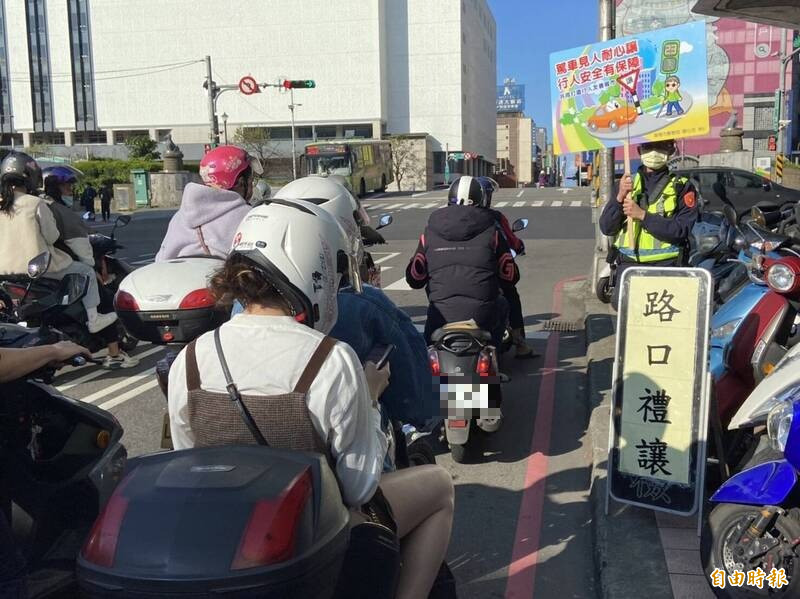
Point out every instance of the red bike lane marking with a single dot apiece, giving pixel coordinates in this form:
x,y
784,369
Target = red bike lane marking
x,y
525,552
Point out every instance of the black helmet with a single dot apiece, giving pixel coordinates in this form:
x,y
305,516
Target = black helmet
x,y
21,167
466,191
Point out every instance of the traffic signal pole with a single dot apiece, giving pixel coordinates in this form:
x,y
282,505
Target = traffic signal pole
x,y
294,142
212,97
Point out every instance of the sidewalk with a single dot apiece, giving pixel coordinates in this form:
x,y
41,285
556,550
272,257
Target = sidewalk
x,y
638,553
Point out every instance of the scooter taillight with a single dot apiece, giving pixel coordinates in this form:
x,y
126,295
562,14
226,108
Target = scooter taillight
x,y
433,360
101,545
484,366
199,298
125,302
270,534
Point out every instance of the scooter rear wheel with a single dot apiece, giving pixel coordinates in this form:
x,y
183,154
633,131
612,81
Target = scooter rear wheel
x,y
603,290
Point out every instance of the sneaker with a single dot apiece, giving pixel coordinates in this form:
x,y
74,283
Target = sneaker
x,y
101,321
121,360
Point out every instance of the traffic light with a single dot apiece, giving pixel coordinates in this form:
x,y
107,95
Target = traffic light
x,y
299,83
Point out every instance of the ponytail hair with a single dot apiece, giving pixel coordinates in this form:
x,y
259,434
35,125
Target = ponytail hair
x,y
7,187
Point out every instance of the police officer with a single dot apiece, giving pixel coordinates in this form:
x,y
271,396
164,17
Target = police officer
x,y
663,209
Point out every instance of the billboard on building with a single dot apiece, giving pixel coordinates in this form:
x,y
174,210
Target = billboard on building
x,y
644,87
511,97
743,61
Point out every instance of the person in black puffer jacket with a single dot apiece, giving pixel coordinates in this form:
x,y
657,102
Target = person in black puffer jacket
x,y
461,260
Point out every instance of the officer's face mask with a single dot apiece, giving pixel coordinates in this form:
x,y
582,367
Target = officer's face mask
x,y
655,159
68,200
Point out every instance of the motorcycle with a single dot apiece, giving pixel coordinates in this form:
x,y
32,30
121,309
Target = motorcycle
x,y
18,293
60,459
243,521
110,268
756,522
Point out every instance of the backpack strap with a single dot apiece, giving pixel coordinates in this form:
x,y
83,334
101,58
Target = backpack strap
x,y
202,241
192,372
314,365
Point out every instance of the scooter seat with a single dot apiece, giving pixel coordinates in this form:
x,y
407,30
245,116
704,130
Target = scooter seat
x,y
467,327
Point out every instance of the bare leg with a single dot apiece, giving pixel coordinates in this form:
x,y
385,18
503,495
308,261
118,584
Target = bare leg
x,y
113,349
422,501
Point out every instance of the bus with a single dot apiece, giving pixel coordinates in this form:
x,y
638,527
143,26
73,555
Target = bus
x,y
365,165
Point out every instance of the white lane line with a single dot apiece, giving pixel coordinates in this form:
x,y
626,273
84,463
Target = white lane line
x,y
400,285
385,268
576,204
501,204
537,203
102,371
408,206
519,195
393,206
126,382
387,257
518,204
119,399
373,207
557,203
420,195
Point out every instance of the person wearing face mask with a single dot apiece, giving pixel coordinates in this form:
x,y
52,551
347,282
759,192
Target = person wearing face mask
x,y
209,215
663,209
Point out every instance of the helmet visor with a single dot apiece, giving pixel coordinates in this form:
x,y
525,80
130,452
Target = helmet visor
x,y
354,261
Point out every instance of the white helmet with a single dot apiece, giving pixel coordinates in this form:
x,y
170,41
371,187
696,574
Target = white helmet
x,y
304,253
334,198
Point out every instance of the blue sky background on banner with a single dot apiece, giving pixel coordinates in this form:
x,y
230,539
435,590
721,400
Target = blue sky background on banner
x,y
511,97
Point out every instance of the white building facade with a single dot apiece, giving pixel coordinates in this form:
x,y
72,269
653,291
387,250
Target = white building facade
x,y
75,72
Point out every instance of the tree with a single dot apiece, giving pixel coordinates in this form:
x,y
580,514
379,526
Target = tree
x,y
257,142
615,90
658,88
141,146
406,161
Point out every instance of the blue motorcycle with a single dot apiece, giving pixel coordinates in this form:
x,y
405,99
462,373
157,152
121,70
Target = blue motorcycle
x,y
756,522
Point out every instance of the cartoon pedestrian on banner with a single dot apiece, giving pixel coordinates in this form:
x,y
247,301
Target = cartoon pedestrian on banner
x,y
647,87
672,97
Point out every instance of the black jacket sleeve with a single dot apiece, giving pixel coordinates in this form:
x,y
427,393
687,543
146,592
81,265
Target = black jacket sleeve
x,y
677,228
417,270
612,218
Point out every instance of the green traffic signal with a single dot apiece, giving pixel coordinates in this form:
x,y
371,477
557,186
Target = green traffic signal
x,y
299,84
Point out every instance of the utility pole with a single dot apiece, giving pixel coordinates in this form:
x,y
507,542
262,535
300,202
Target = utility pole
x,y
294,146
608,17
785,60
212,96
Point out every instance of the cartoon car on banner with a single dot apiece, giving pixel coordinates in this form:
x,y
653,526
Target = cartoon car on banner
x,y
612,116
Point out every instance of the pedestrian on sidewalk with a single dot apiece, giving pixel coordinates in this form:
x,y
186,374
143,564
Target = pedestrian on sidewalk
x,y
87,198
106,195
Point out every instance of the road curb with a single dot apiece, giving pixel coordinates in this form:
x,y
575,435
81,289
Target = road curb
x,y
629,559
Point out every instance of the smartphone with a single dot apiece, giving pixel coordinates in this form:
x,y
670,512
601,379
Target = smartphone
x,y
385,357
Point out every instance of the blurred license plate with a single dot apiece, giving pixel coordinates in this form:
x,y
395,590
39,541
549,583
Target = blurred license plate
x,y
465,396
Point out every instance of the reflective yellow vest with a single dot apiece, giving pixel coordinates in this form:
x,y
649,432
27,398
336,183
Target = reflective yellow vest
x,y
647,248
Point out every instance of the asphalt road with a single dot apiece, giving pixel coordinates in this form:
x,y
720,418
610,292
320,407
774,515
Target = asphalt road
x,y
522,512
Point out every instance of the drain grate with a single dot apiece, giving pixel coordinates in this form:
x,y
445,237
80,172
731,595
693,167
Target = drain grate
x,y
560,326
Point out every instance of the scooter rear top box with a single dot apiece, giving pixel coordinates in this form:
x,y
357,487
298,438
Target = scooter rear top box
x,y
169,302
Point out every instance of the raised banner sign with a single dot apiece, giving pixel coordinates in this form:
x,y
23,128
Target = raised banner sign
x,y
645,87
660,396
510,97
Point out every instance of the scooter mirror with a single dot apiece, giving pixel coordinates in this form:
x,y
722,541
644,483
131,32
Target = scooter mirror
x,y
519,224
385,220
758,216
72,288
39,265
122,220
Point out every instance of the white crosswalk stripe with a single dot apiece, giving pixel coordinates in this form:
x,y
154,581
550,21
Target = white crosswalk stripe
x,y
537,203
135,392
409,206
440,204
519,195
393,206
399,285
518,204
100,371
557,203
575,204
501,204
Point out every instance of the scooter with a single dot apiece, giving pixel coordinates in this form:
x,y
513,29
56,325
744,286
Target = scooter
x,y
110,268
756,522
60,459
20,293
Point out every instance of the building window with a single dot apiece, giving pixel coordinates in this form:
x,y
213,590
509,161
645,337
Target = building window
x,y
162,135
82,73
304,132
11,139
761,143
89,137
358,130
121,136
39,63
438,162
762,120
48,138
326,132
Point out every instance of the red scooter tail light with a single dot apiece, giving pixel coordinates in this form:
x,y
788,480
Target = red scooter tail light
x,y
125,302
199,298
433,360
270,534
484,367
101,545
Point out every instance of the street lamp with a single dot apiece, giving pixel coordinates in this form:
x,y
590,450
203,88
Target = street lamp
x,y
225,125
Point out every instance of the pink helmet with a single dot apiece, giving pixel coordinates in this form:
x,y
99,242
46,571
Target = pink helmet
x,y
222,166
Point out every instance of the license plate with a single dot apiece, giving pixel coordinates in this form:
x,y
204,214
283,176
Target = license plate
x,y
465,396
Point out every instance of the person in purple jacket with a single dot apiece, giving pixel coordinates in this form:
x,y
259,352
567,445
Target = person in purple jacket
x,y
210,213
